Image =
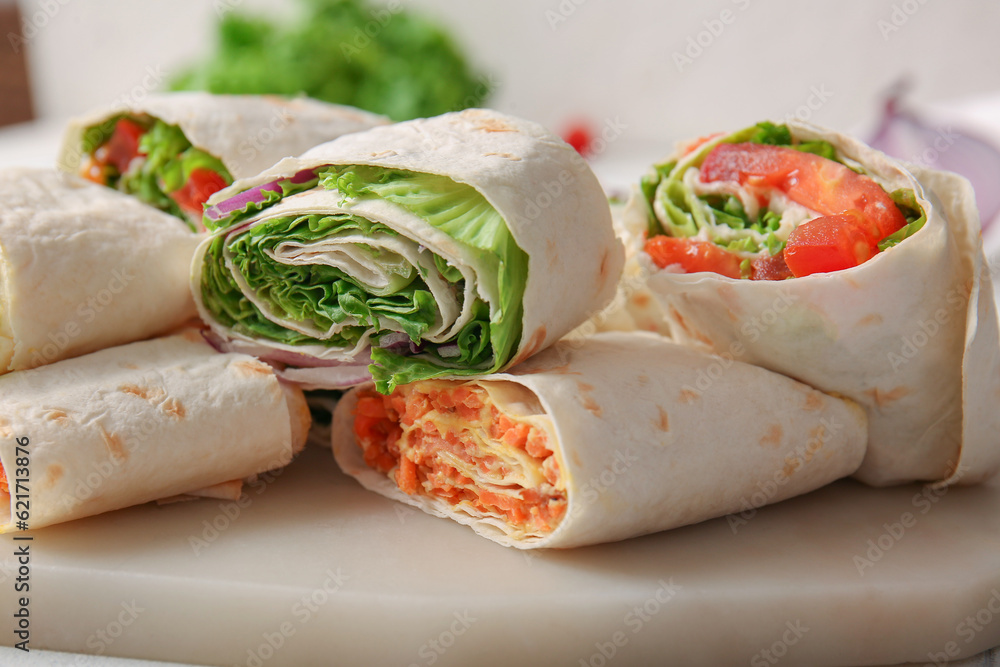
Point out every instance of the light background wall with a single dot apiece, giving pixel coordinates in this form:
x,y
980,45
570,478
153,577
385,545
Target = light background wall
x,y
607,60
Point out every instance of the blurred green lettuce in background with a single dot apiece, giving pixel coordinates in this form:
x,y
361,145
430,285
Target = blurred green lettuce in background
x,y
381,58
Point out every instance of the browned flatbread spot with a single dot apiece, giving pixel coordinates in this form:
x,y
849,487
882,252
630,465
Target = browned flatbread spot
x,y
385,153
251,368
5,430
52,475
58,416
792,464
640,299
506,156
681,322
591,406
868,320
813,401
663,423
494,125
114,444
151,394
772,438
174,408
884,398
130,366
643,379
688,396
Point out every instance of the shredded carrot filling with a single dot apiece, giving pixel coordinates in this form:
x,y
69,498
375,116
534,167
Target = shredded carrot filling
x,y
447,440
4,486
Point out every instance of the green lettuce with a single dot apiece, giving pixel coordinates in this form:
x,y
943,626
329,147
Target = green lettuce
x,y
325,296
380,57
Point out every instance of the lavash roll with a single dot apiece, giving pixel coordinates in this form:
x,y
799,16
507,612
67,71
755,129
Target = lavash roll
x,y
551,203
648,435
83,267
248,133
141,422
911,334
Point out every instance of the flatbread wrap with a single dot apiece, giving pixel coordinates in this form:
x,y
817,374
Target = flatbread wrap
x,y
804,251
458,244
174,150
592,441
83,268
137,423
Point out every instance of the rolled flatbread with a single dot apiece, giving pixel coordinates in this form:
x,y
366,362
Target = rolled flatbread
x,y
909,333
137,423
83,268
174,150
459,244
593,441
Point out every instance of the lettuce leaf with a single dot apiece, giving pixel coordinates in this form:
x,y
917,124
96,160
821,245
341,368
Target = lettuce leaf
x,y
326,296
464,214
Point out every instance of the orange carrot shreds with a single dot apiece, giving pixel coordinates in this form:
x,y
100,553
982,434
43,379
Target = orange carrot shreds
x,y
406,476
430,438
371,406
537,444
4,486
550,468
516,436
417,405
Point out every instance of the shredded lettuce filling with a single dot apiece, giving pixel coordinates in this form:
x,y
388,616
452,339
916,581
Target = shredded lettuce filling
x,y
325,297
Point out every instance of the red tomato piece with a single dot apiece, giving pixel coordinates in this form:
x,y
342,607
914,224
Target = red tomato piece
x,y
123,146
825,186
693,256
770,268
830,243
201,184
580,138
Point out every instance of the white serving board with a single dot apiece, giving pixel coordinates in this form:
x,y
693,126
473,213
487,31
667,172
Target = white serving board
x,y
407,579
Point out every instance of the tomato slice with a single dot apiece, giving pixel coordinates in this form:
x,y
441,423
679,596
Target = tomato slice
x,y
693,256
770,267
825,186
123,146
830,243
201,184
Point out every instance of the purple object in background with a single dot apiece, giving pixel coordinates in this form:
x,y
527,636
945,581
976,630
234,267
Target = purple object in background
x,y
905,135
